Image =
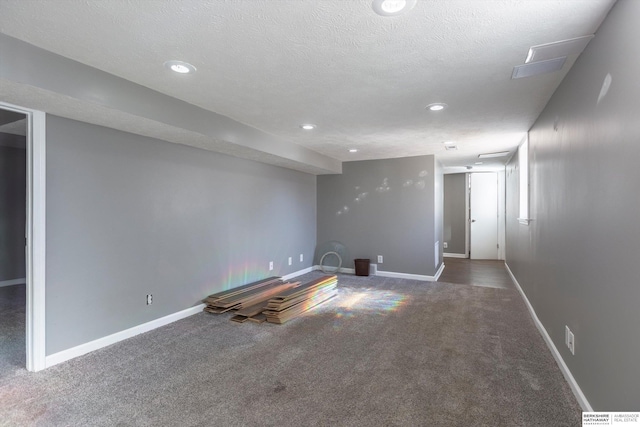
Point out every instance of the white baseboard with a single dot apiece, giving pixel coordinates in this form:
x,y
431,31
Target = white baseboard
x,y
406,276
74,352
582,400
438,273
342,270
299,273
448,255
376,272
13,282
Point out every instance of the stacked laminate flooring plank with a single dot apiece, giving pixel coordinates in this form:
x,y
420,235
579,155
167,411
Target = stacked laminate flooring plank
x,y
272,299
289,304
240,297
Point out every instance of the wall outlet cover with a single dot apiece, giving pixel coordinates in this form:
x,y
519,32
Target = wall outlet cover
x,y
572,343
379,259
270,265
290,260
301,257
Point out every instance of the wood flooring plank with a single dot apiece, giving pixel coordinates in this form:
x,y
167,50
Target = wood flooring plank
x,y
282,305
295,311
243,288
302,289
250,297
218,310
258,318
268,292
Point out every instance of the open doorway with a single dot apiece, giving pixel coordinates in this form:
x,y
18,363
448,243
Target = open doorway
x,y
32,238
13,218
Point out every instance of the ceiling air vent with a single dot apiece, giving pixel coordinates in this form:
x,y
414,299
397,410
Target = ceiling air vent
x,y
540,67
542,52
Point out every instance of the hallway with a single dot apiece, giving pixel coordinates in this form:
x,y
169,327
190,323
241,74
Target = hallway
x,y
486,273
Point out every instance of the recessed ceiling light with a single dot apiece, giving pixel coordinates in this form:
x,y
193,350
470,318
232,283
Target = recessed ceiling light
x,y
437,106
308,126
353,150
180,67
392,7
479,163
448,143
491,155
450,147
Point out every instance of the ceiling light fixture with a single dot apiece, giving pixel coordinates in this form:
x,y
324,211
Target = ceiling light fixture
x,y
392,7
479,163
437,106
353,150
180,67
492,155
308,126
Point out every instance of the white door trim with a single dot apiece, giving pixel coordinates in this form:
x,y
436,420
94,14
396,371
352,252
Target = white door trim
x,y
35,235
467,216
492,251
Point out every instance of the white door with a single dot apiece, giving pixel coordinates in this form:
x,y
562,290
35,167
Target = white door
x,y
484,216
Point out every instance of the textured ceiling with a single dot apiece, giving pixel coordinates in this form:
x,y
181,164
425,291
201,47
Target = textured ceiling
x,y
363,79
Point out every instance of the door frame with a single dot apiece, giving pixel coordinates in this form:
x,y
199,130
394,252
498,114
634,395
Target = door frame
x,y
35,236
502,209
467,215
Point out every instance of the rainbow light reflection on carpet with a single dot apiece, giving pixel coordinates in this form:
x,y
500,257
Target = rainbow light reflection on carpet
x,y
350,302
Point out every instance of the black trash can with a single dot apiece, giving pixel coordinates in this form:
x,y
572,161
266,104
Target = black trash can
x,y
362,266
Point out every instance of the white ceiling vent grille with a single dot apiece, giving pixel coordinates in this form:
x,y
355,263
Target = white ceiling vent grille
x,y
540,67
542,52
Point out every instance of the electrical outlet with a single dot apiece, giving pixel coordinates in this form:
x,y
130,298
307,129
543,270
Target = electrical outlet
x,y
290,260
301,257
379,259
149,299
445,245
270,265
570,340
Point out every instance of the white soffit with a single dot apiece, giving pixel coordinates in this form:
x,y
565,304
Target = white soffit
x,y
559,49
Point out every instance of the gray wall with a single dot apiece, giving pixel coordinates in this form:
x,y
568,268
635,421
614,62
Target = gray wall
x,y
129,216
578,259
394,215
455,212
13,199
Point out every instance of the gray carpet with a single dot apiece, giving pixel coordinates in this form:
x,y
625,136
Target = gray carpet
x,y
12,329
385,352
